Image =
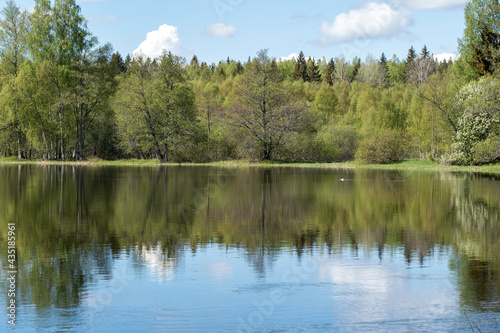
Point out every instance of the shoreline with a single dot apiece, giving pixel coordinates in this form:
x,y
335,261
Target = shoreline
x,y
411,164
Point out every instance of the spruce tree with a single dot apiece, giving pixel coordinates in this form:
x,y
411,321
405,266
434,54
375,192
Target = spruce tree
x,y
384,69
300,72
313,74
485,57
117,64
410,60
356,65
425,53
194,61
128,60
330,70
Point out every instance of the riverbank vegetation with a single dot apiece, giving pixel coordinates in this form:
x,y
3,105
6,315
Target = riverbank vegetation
x,y
64,96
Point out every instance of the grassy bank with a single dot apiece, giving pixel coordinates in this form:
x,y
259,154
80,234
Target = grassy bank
x,y
412,164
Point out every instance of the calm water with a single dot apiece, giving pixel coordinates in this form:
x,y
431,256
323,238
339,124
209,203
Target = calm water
x,y
195,249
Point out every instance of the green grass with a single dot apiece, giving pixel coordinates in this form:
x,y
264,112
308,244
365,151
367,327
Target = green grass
x,y
411,164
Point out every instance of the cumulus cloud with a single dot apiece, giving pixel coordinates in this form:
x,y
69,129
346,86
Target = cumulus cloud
x,y
295,56
434,4
445,56
220,30
165,38
291,56
374,20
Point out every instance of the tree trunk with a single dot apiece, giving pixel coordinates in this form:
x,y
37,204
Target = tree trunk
x,y
61,140
19,153
208,129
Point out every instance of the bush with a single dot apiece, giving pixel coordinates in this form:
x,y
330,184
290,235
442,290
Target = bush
x,y
473,129
299,147
383,147
331,144
487,151
337,143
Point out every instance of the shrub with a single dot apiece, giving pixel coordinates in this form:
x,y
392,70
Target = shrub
x,y
383,147
473,129
487,151
337,143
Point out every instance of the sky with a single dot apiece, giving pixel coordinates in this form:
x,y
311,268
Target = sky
x,y
217,29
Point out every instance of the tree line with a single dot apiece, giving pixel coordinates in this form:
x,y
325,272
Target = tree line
x,y
63,96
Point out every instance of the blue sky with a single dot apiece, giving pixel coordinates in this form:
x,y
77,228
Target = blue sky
x,y
217,29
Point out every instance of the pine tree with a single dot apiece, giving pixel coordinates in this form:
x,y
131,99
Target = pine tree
x,y
330,70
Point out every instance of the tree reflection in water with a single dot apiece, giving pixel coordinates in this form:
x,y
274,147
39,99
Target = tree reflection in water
x,y
73,222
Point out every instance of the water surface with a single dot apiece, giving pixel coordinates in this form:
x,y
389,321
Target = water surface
x,y
205,249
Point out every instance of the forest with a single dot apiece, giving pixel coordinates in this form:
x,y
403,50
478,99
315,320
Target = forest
x,y
65,96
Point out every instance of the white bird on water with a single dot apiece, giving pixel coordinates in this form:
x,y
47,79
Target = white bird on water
x,y
342,179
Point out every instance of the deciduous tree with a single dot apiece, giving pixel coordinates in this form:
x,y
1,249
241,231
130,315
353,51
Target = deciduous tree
x,y
264,109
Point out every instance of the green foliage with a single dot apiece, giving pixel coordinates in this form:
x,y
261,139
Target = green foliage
x,y
59,33
313,74
329,76
472,129
396,70
14,29
156,109
64,97
387,146
300,71
486,151
268,112
326,102
286,69
482,17
337,143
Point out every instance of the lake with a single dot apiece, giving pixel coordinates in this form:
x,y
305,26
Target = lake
x,y
212,249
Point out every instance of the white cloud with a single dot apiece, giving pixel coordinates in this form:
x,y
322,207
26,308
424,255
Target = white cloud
x,y
374,20
295,56
220,30
445,56
165,38
291,56
434,4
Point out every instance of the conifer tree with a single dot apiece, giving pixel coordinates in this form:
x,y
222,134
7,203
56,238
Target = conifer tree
x,y
330,72
117,65
425,53
300,72
479,46
485,57
128,60
313,74
194,61
410,59
356,65
384,69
